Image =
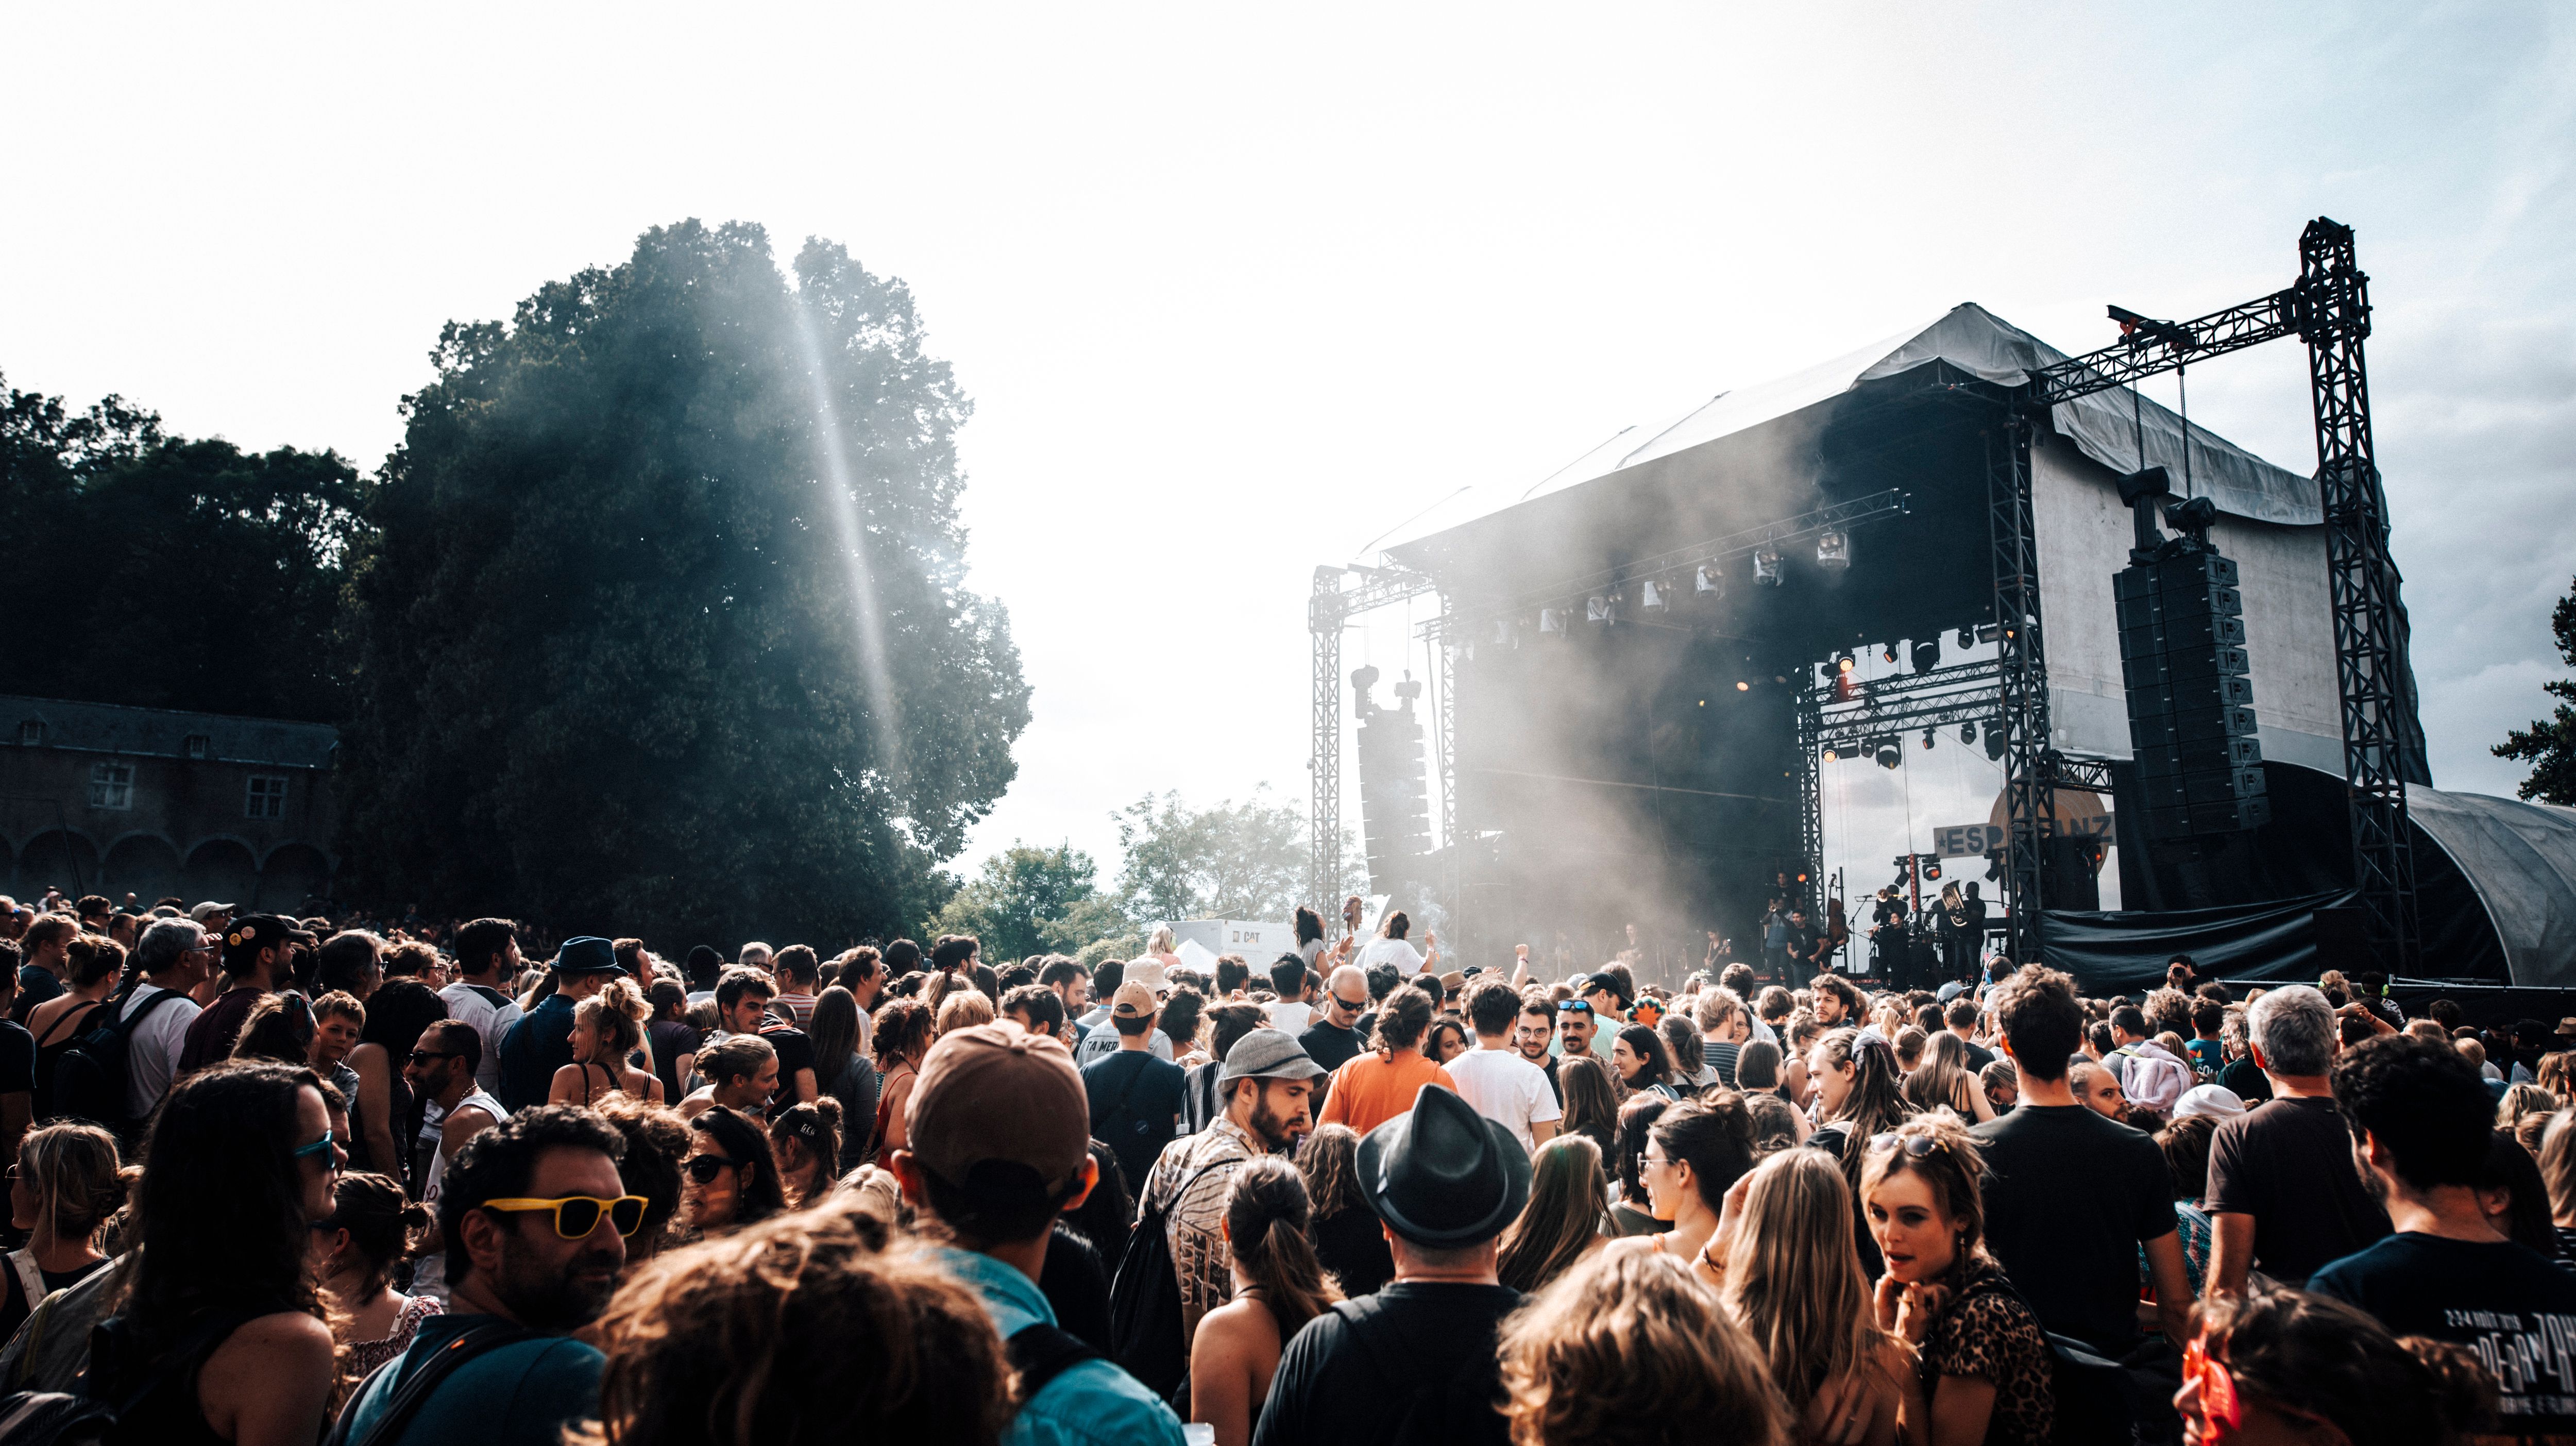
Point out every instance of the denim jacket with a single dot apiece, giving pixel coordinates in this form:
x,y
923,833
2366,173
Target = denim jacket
x,y
1094,1403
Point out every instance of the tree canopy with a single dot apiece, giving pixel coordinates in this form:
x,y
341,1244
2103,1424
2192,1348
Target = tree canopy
x,y
662,625
1021,901
1233,861
2549,744
161,572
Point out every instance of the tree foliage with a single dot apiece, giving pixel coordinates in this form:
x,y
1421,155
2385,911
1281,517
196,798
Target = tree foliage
x,y
1233,861
160,572
1020,900
662,624
2549,744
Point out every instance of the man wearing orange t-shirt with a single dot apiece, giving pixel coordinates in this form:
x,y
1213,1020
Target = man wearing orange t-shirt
x,y
1377,1086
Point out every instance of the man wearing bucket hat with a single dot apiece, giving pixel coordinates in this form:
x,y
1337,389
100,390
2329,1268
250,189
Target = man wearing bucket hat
x,y
1418,1356
1268,1086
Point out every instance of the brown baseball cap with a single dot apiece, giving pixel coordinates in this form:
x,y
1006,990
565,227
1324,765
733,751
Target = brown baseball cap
x,y
991,1092
1133,1001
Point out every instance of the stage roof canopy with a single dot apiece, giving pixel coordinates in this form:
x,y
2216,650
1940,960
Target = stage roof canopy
x,y
2521,859
1971,340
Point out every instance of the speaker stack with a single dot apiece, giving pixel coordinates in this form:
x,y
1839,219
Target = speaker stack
x,y
2183,661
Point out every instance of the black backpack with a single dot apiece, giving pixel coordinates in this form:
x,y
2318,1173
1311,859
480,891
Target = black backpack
x,y
59,1418
1145,1300
90,1080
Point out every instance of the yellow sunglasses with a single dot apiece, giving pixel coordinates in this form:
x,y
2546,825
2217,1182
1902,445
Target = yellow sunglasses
x,y
578,1215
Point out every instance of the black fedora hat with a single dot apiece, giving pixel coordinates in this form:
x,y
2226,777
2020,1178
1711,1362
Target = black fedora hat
x,y
1443,1175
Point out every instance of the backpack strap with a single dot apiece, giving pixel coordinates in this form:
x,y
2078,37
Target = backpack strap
x,y
1135,1077
1039,1353
410,1394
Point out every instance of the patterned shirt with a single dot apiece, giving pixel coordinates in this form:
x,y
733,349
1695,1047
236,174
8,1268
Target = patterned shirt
x,y
1987,1334
1193,1223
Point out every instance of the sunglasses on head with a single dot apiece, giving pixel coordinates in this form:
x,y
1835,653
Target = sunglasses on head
x,y
1915,1147
578,1215
705,1168
1573,1006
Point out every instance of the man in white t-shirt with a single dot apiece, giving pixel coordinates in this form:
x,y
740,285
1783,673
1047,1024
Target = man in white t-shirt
x,y
1389,947
1290,1013
487,957
1504,1087
175,956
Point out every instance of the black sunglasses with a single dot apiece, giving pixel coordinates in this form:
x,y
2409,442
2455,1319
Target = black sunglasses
x,y
1350,1004
1573,1006
424,1056
705,1168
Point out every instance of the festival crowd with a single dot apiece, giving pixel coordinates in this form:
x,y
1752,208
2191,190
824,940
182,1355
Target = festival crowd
x,y
274,1181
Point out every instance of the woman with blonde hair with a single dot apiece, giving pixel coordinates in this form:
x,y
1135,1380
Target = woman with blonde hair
x,y
1562,1222
2523,1099
606,1028
1279,1285
356,1250
964,1009
1627,1347
67,1182
1790,1274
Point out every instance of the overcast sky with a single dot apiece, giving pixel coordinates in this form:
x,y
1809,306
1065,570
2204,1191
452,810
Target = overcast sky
x,y
1235,290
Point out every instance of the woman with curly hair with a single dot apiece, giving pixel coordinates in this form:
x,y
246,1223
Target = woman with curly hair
x,y
1349,1239
902,1035
606,1028
1628,1348
804,1328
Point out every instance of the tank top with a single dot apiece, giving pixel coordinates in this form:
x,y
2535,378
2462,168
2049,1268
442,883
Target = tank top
x,y
434,1167
885,1100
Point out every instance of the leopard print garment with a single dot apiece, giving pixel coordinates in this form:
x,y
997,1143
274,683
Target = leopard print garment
x,y
1987,1334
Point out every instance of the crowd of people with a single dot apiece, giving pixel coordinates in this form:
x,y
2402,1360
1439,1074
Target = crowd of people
x,y
272,1179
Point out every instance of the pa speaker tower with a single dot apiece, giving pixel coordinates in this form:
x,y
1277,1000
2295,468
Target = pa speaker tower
x,y
2183,662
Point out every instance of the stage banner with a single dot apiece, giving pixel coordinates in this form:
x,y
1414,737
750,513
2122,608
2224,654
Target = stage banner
x,y
2126,952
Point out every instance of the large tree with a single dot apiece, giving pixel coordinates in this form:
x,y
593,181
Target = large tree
x,y
662,627
1233,861
1018,903
167,573
2549,744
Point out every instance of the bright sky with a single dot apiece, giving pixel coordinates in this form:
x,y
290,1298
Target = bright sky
x,y
1235,290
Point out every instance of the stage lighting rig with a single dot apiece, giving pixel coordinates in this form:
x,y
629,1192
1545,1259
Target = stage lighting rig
x,y
1967,638
1927,655
1887,651
1766,566
1833,549
1600,609
2140,331
1709,582
1967,732
1551,620
1844,662
1889,754
1654,596
1995,741
1927,739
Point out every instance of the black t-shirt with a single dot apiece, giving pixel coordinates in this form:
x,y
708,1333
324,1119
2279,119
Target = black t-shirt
x,y
795,1052
2288,1163
2069,1197
1137,1129
36,984
1427,1348
1354,1249
1328,1044
1978,1055
2508,1303
1077,1286
2247,1080
17,1059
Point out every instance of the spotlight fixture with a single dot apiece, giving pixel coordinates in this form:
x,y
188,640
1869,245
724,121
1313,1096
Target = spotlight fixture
x,y
1654,596
1551,620
1995,741
1844,662
1927,654
1833,550
1708,582
1596,609
1888,651
1889,755
1830,753
1967,732
1931,869
1927,739
1743,687
1967,637
1988,632
1766,565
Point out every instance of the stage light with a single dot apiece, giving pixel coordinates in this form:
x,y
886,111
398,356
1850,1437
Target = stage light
x,y
1888,651
1931,869
1927,655
1743,687
1967,637
1653,596
1995,741
1927,738
1766,565
1596,609
1967,732
1889,755
1551,620
1709,581
1830,753
1833,550
1988,632
1844,662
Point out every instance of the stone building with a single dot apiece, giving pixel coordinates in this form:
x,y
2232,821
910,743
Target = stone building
x,y
96,798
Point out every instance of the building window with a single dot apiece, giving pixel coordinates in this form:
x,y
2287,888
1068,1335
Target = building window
x,y
267,797
197,745
31,733
111,785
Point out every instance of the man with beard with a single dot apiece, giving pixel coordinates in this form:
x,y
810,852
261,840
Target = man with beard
x,y
455,1109
1533,1032
535,1220
1268,1084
